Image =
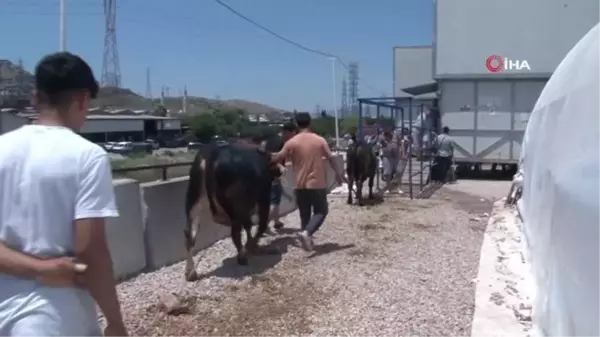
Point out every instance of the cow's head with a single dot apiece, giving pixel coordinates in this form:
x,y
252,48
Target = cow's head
x,y
274,170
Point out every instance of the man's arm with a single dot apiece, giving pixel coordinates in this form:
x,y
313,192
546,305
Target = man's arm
x,y
19,264
282,155
329,156
95,202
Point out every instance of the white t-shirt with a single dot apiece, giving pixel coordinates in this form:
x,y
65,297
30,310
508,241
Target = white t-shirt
x,y
49,176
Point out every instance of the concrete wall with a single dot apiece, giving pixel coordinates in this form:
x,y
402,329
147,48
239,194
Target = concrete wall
x,y
148,234
539,31
9,122
412,66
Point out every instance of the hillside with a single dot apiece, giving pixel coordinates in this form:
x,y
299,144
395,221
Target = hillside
x,y
20,82
125,98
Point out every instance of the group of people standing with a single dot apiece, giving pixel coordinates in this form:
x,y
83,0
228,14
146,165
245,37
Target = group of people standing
x,y
396,149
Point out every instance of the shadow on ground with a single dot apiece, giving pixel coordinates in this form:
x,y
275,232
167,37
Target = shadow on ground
x,y
259,263
376,200
327,248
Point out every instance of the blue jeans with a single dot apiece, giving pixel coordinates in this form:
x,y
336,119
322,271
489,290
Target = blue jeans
x,y
276,192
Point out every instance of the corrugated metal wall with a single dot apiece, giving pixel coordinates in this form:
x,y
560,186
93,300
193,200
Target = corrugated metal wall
x,y
539,31
487,118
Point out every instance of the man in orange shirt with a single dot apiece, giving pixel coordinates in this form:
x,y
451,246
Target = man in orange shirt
x,y
306,151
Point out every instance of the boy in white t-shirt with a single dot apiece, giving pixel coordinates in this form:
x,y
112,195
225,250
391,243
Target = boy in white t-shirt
x,y
56,193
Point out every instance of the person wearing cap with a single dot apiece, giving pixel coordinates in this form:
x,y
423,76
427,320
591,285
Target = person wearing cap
x,y
56,194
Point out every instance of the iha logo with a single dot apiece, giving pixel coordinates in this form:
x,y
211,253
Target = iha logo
x,y
496,64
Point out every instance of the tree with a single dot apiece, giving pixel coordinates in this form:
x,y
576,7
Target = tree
x,y
205,126
159,110
324,126
349,124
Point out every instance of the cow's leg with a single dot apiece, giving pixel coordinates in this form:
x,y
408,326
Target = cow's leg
x,y
236,237
359,185
263,222
350,186
190,233
371,181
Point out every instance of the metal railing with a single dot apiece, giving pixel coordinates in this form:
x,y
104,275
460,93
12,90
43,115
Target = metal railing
x,y
409,116
163,167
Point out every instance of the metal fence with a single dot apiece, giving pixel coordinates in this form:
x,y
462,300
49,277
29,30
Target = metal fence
x,y
412,120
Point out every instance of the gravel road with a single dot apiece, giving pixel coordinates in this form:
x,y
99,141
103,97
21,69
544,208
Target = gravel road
x,y
398,268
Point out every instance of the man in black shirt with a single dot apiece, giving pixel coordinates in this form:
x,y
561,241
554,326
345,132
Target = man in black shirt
x,y
275,144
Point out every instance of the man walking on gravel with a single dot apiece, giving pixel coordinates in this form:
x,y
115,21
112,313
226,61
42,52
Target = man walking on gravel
x,y
56,192
306,151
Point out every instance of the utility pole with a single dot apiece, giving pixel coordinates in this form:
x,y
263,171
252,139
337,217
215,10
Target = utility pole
x,y
62,32
334,101
184,99
111,70
148,84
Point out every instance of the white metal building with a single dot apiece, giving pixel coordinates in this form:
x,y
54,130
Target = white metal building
x,y
490,61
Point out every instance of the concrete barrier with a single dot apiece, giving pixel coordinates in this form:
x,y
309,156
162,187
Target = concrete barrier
x,y
125,234
166,221
149,232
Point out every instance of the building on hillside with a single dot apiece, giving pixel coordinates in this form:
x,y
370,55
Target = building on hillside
x,y
104,126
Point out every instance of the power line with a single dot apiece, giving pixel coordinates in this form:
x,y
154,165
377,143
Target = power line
x,y
289,41
94,4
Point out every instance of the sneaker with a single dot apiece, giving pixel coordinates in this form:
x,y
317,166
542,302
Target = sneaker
x,y
306,240
278,225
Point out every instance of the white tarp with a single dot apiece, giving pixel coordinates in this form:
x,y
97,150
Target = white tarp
x,y
560,202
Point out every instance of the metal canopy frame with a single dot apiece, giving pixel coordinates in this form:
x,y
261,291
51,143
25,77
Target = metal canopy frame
x,y
402,107
396,104
421,89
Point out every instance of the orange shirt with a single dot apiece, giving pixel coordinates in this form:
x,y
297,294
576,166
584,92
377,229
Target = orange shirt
x,y
306,151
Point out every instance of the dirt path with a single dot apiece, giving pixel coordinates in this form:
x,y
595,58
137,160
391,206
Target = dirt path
x,y
399,268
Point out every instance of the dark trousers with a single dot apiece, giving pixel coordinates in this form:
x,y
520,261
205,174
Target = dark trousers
x,y
441,167
313,208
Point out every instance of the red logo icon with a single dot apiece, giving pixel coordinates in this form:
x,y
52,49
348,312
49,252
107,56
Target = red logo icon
x,y
494,63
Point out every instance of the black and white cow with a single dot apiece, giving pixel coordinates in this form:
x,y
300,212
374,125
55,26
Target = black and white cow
x,y
236,180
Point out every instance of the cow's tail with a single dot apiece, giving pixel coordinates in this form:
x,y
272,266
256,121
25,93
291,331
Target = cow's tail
x,y
194,190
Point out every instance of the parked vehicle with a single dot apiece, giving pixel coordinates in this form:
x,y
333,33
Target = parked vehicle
x,y
125,148
155,144
195,145
109,145
173,143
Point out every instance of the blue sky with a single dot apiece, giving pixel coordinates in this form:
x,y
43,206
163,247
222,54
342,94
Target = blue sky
x,y
202,45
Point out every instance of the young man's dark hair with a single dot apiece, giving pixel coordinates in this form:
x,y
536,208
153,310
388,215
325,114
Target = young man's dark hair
x,y
446,130
60,77
303,120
